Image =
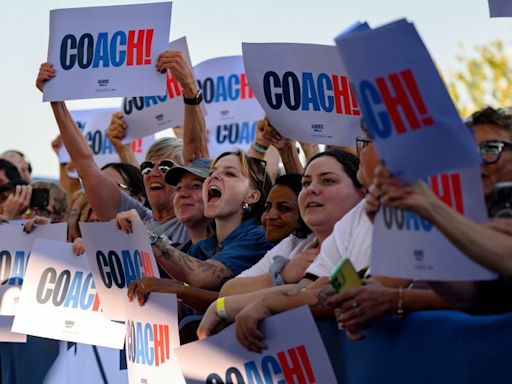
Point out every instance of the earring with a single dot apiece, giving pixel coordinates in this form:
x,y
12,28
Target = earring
x,y
246,208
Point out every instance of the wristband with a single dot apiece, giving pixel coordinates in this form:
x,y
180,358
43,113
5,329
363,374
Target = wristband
x,y
221,308
259,148
400,307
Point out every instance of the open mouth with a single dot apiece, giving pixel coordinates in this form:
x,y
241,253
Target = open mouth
x,y
214,194
314,204
156,186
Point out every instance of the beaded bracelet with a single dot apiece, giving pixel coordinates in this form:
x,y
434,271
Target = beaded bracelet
x,y
400,307
259,148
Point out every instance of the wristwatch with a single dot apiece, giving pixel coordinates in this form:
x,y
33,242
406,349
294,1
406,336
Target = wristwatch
x,y
196,100
154,238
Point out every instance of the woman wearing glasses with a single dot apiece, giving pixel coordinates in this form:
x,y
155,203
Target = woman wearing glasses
x,y
103,192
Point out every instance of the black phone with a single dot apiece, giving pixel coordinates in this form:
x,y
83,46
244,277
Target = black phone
x,y
40,198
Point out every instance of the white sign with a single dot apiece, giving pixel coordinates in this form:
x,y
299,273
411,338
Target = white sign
x,y
406,106
407,246
116,259
305,91
5,331
231,108
94,123
151,336
14,255
59,299
150,114
107,51
500,8
295,354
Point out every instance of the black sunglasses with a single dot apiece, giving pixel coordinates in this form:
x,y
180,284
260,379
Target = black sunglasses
x,y
163,166
490,150
361,144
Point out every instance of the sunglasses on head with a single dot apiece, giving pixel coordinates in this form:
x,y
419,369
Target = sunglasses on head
x,y
163,166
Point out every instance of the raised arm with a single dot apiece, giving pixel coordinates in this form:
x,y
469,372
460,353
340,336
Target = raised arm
x,y
116,132
195,140
102,192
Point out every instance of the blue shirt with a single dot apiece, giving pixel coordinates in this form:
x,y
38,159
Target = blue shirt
x,y
240,250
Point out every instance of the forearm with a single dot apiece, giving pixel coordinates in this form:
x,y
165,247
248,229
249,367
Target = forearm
x,y
197,298
183,267
195,140
484,245
290,158
422,299
125,153
102,192
241,285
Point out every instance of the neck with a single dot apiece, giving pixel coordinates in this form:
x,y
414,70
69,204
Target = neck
x,y
322,233
224,226
163,214
198,231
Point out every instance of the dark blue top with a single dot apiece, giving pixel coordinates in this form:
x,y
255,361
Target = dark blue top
x,y
240,250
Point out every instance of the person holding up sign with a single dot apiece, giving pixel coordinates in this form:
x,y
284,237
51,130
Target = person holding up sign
x,y
103,193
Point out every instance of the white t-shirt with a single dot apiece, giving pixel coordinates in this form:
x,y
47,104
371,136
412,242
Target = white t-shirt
x,y
288,247
351,238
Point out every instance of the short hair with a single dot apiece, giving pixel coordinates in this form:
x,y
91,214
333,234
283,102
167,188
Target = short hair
x,y
501,118
348,161
256,170
11,172
20,154
166,148
57,195
294,182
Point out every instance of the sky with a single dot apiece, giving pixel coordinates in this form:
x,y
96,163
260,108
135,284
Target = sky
x,y
213,29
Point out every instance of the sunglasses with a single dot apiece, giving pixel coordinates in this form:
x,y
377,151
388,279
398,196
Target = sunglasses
x,y
148,165
361,144
490,151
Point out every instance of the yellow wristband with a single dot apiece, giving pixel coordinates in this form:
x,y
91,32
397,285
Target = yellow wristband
x,y
221,308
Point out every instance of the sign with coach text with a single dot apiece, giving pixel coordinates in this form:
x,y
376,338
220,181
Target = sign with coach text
x,y
305,91
406,106
152,334
146,115
500,8
59,299
231,108
295,354
107,51
116,259
14,255
406,245
94,123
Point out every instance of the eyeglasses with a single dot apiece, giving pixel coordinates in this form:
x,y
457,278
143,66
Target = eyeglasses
x,y
490,150
361,144
148,165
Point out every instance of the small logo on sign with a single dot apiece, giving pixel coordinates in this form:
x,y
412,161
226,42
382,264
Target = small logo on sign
x,y
418,255
69,324
225,112
159,117
103,82
317,127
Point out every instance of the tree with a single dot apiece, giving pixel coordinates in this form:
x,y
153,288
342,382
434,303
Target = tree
x,y
485,79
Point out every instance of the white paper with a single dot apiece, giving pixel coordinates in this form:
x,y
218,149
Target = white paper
x,y
94,124
406,246
116,259
150,114
289,335
107,51
305,91
231,108
152,334
14,255
59,299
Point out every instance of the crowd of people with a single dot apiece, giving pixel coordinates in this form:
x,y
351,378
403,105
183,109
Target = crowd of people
x,y
237,244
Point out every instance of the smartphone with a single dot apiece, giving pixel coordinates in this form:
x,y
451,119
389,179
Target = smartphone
x,y
500,201
345,276
40,198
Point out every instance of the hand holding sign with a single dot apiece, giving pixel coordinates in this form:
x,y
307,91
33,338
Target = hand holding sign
x,y
116,130
46,72
177,63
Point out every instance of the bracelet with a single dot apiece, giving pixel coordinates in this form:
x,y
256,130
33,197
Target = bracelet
x,y
400,307
259,148
221,308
